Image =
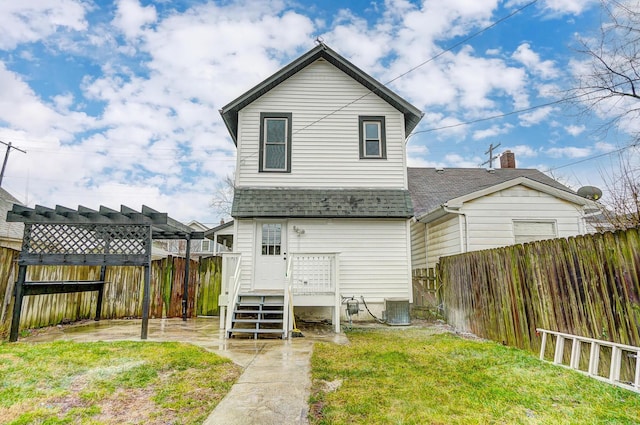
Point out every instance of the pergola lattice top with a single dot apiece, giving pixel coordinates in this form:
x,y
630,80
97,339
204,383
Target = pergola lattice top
x,y
162,226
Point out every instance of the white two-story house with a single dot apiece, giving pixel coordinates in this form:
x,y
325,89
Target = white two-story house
x,y
321,207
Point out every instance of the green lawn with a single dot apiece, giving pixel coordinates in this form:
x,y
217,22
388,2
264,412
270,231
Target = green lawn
x,y
110,383
410,376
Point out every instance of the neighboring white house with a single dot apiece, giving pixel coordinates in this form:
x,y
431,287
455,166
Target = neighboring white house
x,y
199,248
321,185
10,233
468,209
222,237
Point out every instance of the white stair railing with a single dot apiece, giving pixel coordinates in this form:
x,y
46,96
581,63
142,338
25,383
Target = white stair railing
x,y
230,260
316,274
287,314
617,351
234,290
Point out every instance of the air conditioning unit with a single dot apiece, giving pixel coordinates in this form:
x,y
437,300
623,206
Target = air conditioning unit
x,y
397,311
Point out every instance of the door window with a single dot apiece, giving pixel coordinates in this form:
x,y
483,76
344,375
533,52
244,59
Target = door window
x,y
271,238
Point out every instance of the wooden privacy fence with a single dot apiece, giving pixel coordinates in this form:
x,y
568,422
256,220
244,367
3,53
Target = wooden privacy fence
x,y
586,285
123,291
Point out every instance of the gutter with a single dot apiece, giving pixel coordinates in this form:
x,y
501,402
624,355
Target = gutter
x,y
464,246
443,211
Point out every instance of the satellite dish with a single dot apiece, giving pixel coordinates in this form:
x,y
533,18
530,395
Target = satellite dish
x,y
590,192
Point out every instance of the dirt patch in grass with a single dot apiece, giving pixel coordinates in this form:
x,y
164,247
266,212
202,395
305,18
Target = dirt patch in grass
x,y
133,406
111,383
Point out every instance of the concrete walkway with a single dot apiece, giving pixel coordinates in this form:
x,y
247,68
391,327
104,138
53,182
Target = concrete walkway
x,y
274,387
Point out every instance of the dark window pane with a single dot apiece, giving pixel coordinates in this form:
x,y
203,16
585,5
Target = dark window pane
x,y
372,148
276,130
371,131
275,157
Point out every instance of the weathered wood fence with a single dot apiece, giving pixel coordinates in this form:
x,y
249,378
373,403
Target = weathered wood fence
x,y
586,285
123,291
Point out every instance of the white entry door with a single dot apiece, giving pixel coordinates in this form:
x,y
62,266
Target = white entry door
x,y
271,255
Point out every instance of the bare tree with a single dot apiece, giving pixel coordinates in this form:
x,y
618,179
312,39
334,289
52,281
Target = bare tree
x,y
608,84
223,196
621,206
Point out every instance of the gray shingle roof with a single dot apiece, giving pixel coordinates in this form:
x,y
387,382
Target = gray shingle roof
x,y
431,188
310,203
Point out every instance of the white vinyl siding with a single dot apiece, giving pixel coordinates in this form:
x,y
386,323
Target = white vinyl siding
x,y
491,218
418,246
443,238
325,150
244,244
373,255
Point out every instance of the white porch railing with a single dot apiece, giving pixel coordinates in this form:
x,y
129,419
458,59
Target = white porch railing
x,y
617,351
230,286
312,280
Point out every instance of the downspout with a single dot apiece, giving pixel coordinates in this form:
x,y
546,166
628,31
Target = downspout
x,y
464,246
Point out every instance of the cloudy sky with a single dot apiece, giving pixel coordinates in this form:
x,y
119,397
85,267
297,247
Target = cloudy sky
x,y
116,102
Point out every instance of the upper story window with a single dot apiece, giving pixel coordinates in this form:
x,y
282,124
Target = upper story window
x,y
275,142
373,140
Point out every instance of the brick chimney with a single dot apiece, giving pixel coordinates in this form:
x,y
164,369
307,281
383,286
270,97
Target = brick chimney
x,y
507,160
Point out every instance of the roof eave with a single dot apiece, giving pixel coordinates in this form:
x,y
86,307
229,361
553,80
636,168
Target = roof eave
x,y
432,215
229,112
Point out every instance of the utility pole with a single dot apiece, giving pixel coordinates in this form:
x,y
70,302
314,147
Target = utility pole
x,y
489,152
6,158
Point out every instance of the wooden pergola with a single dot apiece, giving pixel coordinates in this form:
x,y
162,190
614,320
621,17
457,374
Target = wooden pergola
x,y
87,237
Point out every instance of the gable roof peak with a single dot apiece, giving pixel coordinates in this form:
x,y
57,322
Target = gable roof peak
x,y
229,112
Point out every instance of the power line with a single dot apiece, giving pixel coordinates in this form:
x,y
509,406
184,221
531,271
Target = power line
x,y
506,114
624,148
461,42
448,49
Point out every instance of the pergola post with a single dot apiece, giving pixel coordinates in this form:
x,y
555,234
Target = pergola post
x,y
103,274
185,292
147,289
17,305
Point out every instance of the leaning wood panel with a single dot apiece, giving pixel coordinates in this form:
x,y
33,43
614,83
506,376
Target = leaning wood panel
x,y
586,285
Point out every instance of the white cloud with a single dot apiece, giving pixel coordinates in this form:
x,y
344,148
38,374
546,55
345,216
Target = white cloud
x,y
536,116
555,8
523,151
131,17
604,147
544,69
22,109
575,130
494,130
30,21
455,160
574,7
569,152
